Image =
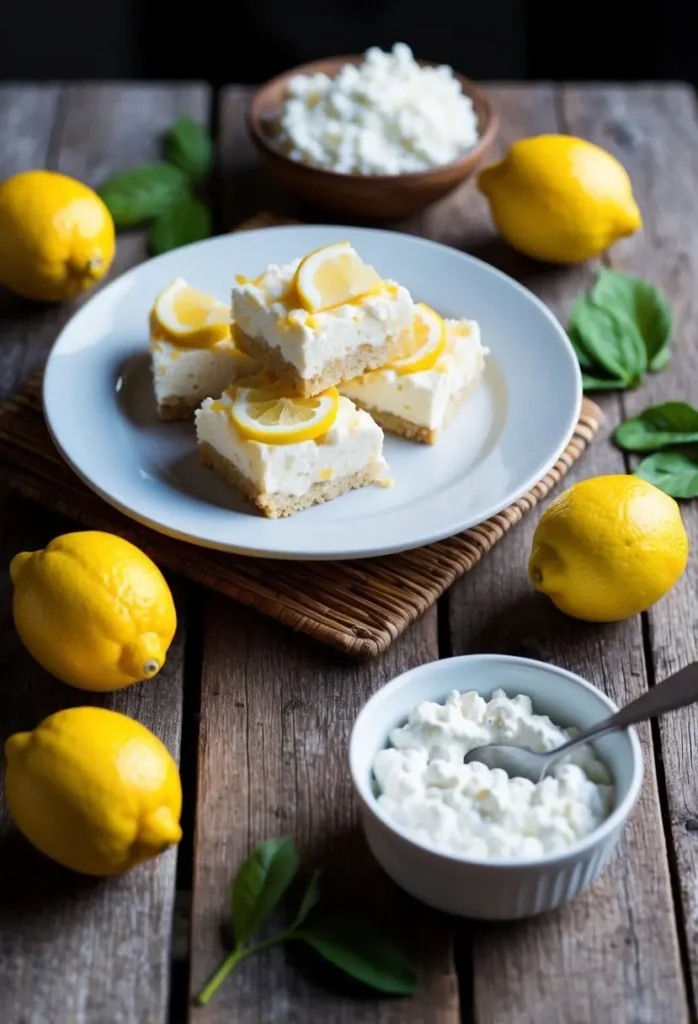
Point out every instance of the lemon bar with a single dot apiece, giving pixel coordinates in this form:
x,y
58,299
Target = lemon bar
x,y
194,357
311,350
418,405
283,478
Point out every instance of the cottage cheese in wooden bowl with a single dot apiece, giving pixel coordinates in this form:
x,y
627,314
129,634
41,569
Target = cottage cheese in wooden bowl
x,y
377,136
387,115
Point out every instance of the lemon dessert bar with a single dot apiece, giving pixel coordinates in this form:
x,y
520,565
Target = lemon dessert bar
x,y
418,395
321,320
285,453
193,350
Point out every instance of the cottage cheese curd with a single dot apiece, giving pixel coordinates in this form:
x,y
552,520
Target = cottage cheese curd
x,y
267,308
353,443
427,398
468,809
387,115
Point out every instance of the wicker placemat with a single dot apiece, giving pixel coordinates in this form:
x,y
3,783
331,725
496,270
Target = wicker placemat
x,y
359,607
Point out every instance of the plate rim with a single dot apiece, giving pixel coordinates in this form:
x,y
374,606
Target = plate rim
x,y
309,555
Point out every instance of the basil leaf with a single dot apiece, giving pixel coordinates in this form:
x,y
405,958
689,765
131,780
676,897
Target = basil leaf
x,y
187,220
357,949
189,146
673,471
143,193
583,357
260,883
611,339
671,423
591,383
644,304
311,897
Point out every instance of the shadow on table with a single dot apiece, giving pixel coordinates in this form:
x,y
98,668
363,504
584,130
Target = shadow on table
x,y
31,883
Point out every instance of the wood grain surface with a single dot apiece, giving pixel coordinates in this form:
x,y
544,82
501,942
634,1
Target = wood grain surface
x,y
76,951
265,717
623,930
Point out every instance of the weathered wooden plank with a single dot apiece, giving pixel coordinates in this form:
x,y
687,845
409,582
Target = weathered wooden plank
x,y
245,187
276,714
275,719
654,132
74,951
623,931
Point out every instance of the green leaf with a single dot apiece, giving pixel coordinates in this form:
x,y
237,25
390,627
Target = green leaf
x,y
611,340
359,950
143,193
583,357
674,471
671,423
189,146
311,897
644,304
590,383
187,220
260,883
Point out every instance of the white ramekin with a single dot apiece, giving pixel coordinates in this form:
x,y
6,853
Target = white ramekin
x,y
491,890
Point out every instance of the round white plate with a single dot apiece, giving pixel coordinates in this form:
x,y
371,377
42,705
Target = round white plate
x,y
101,412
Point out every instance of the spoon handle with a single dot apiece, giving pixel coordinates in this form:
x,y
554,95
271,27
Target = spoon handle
x,y
676,691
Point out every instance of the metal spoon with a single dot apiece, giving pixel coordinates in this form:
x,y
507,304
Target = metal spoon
x,y
672,693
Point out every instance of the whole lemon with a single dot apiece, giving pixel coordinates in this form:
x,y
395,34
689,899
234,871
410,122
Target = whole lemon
x,y
93,790
608,548
560,199
56,236
93,610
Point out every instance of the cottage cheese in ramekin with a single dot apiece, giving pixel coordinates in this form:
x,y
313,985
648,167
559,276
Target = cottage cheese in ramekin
x,y
387,115
468,809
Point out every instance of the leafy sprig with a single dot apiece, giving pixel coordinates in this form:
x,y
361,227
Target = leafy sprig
x,y
169,194
670,432
620,330
351,944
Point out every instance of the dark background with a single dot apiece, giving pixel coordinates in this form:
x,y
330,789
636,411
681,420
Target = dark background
x,y
249,40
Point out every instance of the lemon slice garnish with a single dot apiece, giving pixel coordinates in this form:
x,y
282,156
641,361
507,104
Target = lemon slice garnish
x,y
333,275
428,342
272,415
190,318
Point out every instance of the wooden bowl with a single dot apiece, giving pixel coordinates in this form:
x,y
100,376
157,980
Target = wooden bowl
x,y
368,196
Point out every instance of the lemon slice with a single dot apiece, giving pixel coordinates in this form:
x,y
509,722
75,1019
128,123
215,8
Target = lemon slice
x,y
273,416
429,340
333,275
190,318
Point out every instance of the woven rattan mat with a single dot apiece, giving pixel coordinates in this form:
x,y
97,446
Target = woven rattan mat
x,y
359,607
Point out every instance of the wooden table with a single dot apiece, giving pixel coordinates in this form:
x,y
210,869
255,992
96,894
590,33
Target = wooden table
x,y
259,717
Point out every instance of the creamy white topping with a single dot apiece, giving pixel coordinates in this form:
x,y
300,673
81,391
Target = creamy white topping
x,y
425,788
352,443
387,115
265,309
196,373
426,398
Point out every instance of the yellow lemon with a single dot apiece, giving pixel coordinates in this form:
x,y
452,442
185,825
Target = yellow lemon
x,y
333,275
427,333
93,790
272,415
608,548
560,199
93,610
56,236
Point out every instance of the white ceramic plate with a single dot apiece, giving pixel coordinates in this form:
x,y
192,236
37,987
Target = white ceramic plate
x,y
101,413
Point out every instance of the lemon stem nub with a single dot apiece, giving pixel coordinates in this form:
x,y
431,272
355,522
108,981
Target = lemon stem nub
x,y
151,667
536,574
